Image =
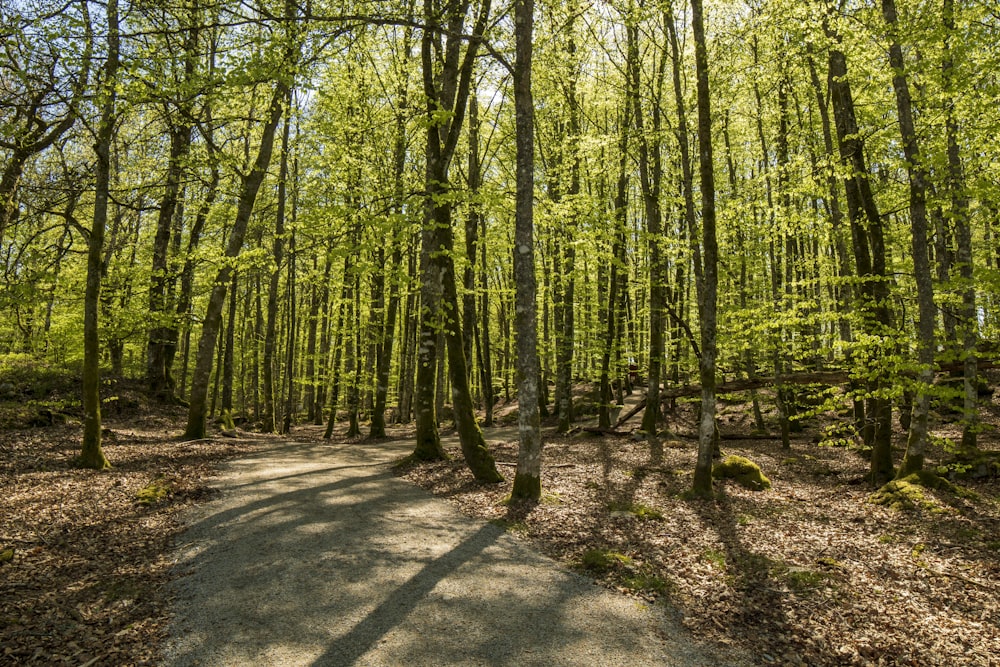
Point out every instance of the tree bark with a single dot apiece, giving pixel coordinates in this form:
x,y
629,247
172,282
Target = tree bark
x,y
702,485
527,479
91,453
916,443
278,254
250,186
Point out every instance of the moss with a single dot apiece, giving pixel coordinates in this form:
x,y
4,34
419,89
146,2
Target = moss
x,y
908,493
154,492
743,471
645,582
831,563
715,557
802,579
6,556
641,511
603,560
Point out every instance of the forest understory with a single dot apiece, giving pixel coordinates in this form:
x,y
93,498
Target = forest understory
x,y
809,572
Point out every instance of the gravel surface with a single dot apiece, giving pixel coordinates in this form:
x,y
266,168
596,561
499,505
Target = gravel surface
x,y
315,554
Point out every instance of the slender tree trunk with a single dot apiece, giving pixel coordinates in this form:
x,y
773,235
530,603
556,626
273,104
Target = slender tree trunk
x,y
869,255
927,312
324,342
963,237
91,453
338,350
249,188
702,485
278,254
158,372
650,178
447,90
312,333
527,479
486,356
227,366
293,326
612,331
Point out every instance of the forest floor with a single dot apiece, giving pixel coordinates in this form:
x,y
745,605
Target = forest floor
x,y
807,573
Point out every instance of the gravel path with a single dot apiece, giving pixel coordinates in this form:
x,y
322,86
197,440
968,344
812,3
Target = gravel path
x,y
316,554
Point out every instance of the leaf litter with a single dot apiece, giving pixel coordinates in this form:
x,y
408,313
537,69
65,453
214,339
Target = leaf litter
x,y
808,573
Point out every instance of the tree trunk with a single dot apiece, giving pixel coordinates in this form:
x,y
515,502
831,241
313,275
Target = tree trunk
x,y
869,254
927,312
963,237
528,478
227,365
250,186
91,453
445,90
278,253
159,378
293,325
338,350
702,485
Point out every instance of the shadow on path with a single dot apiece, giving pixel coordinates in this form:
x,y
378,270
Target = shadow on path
x,y
317,555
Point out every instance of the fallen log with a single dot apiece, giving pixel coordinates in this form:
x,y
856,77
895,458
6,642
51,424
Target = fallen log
x,y
830,377
631,413
746,384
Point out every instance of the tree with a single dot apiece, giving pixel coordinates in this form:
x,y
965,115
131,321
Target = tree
x,y
91,454
446,88
917,173
527,480
708,284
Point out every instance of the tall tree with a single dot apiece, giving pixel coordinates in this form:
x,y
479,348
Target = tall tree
x,y
708,285
447,74
527,480
91,454
927,312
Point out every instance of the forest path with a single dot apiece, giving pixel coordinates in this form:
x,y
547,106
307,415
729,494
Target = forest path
x,y
315,554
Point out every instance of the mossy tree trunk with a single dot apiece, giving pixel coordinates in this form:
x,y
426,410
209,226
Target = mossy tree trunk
x,y
91,453
707,294
446,86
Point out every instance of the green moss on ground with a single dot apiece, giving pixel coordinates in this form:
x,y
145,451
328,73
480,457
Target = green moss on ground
x,y
908,493
743,471
154,492
603,560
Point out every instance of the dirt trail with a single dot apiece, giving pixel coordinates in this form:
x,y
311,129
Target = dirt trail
x,y
316,554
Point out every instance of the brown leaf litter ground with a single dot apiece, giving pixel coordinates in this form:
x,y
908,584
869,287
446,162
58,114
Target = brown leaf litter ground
x,y
86,553
808,573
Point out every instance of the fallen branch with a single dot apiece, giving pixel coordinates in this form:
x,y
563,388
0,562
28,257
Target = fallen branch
x,y
597,430
631,413
830,377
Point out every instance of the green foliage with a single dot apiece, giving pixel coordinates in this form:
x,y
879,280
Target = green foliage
x,y
743,471
803,579
716,557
